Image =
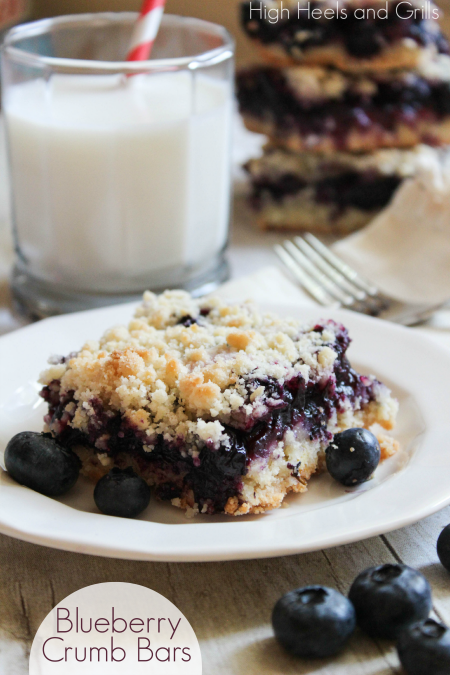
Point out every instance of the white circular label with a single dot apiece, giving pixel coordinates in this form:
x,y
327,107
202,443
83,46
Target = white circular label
x,y
115,628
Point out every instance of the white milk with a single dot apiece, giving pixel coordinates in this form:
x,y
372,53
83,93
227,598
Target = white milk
x,y
116,178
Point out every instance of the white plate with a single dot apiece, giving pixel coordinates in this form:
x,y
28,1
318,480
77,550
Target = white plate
x,y
409,486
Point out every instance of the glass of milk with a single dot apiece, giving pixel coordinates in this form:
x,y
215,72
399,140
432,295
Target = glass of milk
x,y
120,171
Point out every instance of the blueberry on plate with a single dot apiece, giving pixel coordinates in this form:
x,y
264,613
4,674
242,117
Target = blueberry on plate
x,y
314,621
443,547
389,598
122,493
40,463
353,456
425,648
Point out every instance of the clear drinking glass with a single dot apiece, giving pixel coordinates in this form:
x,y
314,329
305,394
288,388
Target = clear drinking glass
x,y
120,172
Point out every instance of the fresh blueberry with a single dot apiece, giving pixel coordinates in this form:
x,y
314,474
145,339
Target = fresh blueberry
x,y
38,462
443,547
389,598
314,621
122,493
353,456
425,648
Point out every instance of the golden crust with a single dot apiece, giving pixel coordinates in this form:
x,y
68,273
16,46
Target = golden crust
x,y
274,499
240,339
388,445
407,56
402,136
318,219
198,395
311,167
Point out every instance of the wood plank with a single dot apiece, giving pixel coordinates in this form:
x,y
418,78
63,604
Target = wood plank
x,y
230,608
229,604
416,546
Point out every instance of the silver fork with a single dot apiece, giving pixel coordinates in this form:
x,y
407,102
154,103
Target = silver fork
x,y
331,282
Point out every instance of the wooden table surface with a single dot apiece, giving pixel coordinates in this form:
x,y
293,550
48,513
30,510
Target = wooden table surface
x,y
228,604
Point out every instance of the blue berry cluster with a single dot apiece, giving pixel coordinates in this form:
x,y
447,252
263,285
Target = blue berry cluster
x,y
388,601
40,463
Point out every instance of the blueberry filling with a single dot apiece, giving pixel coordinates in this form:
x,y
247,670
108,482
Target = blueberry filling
x,y
213,475
187,321
361,39
265,94
278,188
366,191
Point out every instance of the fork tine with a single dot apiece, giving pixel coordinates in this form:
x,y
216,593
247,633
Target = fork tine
x,y
316,291
341,266
328,269
324,281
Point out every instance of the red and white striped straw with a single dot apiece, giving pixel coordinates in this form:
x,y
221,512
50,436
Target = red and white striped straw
x,y
146,30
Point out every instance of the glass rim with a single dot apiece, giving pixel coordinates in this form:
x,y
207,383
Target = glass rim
x,y
41,27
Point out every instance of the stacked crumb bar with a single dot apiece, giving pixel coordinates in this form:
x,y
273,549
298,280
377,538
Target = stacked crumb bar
x,y
351,107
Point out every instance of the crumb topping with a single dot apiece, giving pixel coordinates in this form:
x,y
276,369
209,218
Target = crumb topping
x,y
186,367
318,84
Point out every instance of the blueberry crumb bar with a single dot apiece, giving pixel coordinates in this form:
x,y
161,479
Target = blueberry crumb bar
x,y
222,408
323,32
324,110
335,193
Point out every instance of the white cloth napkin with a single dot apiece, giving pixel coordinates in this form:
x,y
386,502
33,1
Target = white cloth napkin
x,y
269,285
406,249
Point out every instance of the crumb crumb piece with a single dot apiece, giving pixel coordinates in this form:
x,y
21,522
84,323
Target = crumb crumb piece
x,y
191,512
388,446
104,459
